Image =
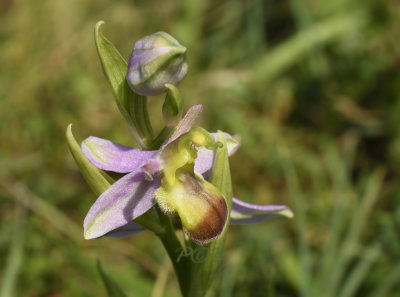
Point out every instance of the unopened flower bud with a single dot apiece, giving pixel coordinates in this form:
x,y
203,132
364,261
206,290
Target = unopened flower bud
x,y
156,60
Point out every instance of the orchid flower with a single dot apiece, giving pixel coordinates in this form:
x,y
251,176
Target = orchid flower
x,y
182,172
174,177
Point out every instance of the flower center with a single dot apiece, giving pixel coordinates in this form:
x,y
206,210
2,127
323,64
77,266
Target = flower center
x,y
200,206
179,156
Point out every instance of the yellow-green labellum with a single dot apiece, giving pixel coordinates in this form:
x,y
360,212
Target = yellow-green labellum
x,y
201,207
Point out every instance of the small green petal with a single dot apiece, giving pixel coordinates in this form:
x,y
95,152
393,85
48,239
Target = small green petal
x,y
173,106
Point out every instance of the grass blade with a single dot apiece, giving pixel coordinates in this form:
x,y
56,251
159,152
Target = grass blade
x,y
15,256
354,280
357,224
391,279
297,203
112,288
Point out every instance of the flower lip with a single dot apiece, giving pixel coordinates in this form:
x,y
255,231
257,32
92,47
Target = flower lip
x,y
200,206
215,218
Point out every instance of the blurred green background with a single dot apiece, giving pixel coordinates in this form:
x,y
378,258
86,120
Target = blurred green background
x,y
311,86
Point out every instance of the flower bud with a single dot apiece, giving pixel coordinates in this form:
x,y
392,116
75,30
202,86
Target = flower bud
x,y
156,60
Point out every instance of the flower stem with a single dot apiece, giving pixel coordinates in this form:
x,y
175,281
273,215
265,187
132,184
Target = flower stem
x,y
141,119
160,138
176,252
150,221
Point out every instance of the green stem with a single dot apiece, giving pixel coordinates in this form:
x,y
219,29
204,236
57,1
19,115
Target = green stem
x,y
176,252
163,228
146,118
181,267
161,138
140,117
150,221
132,114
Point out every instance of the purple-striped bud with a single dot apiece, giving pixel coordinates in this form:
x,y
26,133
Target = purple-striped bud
x,y
156,60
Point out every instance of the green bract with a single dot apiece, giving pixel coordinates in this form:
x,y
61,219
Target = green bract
x,y
173,106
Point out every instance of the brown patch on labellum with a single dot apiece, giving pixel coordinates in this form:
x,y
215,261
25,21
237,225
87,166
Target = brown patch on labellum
x,y
212,225
214,220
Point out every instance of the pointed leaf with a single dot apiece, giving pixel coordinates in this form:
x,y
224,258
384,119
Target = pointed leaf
x,y
115,68
98,180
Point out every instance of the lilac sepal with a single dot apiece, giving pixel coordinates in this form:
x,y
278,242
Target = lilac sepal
x,y
125,200
205,158
111,156
246,213
128,229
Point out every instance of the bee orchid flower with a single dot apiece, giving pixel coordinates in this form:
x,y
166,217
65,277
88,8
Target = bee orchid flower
x,y
174,177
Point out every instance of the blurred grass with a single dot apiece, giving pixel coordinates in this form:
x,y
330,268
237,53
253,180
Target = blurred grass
x,y
311,86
